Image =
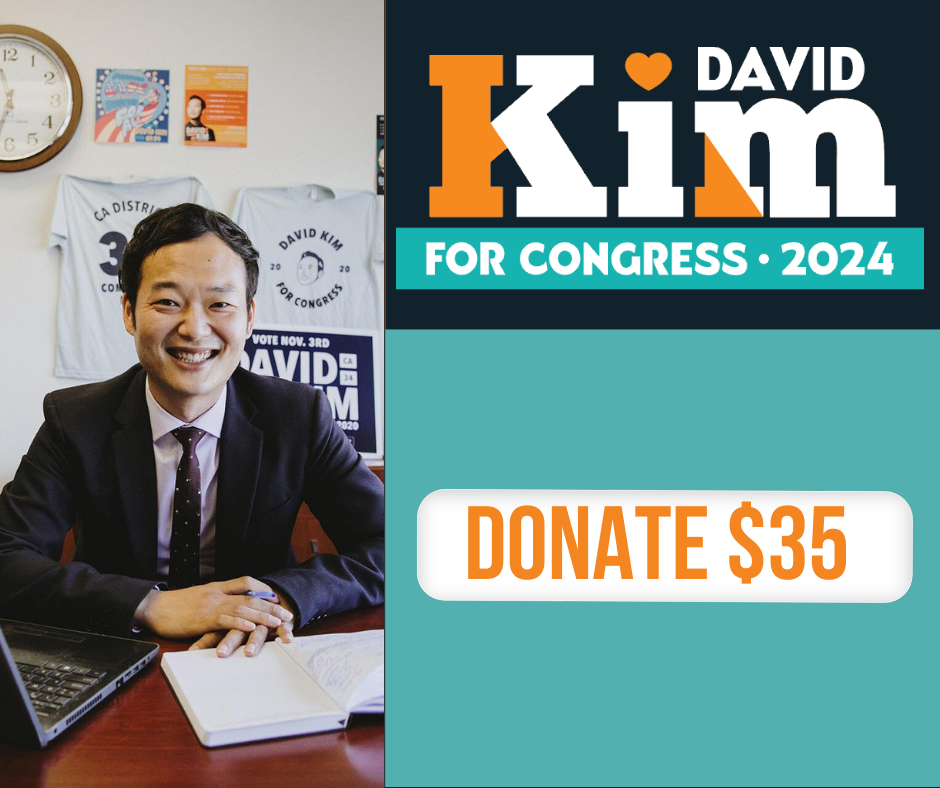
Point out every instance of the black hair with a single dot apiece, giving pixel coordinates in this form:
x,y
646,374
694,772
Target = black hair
x,y
201,101
178,224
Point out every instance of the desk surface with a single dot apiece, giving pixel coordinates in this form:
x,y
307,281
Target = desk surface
x,y
141,737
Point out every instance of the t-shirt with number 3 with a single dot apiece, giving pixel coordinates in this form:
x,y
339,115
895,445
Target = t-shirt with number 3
x,y
92,223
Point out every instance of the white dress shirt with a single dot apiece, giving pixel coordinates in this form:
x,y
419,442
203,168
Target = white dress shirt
x,y
167,452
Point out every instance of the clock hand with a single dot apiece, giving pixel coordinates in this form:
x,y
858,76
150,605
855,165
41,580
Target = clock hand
x,y
9,104
6,89
3,117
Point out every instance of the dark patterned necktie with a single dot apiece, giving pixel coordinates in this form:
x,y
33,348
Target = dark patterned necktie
x,y
187,513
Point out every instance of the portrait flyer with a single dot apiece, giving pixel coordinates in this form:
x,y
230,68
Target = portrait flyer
x,y
216,110
132,105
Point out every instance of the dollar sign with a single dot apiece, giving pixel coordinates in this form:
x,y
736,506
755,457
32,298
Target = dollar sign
x,y
737,531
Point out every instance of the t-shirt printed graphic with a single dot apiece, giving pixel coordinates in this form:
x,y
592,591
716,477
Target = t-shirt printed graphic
x,y
321,255
92,223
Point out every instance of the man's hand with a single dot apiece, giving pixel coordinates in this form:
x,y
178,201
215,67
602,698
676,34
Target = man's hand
x,y
193,612
225,643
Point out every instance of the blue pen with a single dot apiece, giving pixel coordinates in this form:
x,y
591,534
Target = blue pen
x,y
270,596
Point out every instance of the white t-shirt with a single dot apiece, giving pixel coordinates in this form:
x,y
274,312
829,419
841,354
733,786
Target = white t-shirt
x,y
321,255
92,222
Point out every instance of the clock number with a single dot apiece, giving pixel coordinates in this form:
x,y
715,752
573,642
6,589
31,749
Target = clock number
x,y
49,77
47,122
115,243
56,100
32,139
9,55
32,59
8,144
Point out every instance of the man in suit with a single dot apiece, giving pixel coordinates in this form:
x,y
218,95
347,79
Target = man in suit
x,y
184,475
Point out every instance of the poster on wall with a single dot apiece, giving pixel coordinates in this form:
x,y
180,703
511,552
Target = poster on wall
x,y
216,106
132,105
380,155
345,364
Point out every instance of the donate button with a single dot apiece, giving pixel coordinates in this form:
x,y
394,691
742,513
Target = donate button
x,y
678,546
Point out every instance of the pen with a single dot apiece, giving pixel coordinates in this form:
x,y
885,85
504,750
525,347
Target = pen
x,y
270,596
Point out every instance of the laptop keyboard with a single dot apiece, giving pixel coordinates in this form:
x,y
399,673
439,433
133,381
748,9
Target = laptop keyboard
x,y
52,685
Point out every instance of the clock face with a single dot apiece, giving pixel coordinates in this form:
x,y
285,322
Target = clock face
x,y
37,101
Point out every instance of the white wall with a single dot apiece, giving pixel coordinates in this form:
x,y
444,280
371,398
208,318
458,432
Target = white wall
x,y
316,83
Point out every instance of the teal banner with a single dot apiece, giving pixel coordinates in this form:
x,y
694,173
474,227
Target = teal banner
x,y
670,258
589,693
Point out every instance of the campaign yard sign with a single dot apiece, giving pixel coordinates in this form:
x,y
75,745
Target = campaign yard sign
x,y
343,363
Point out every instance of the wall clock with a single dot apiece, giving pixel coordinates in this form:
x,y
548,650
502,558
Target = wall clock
x,y
41,98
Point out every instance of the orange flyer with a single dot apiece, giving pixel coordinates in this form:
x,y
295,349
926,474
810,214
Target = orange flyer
x,y
216,106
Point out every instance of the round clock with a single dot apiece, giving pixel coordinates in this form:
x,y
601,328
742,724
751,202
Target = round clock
x,y
41,98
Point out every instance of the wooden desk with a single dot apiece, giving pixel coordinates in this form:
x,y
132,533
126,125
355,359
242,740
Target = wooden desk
x,y
141,737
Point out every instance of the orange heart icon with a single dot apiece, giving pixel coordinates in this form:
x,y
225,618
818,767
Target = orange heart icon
x,y
649,72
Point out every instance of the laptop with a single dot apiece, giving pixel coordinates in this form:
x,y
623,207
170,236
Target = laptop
x,y
51,677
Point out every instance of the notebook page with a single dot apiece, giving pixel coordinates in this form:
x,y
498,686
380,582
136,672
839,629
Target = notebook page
x,y
241,691
349,666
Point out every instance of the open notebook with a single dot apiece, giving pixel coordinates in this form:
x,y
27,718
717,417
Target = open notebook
x,y
308,686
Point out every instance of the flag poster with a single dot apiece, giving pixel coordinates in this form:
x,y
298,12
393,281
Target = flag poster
x,y
132,105
216,110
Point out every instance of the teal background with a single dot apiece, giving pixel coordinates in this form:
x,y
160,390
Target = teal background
x,y
661,694
905,245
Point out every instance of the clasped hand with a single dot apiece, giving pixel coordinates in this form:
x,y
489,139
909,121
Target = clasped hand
x,y
219,614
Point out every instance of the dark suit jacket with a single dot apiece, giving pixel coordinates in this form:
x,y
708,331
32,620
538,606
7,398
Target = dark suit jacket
x,y
92,465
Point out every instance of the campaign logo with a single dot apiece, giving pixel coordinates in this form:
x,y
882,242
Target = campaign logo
x,y
472,139
312,288
132,105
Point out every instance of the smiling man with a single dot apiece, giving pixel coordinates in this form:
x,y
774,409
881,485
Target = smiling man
x,y
196,130
183,476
